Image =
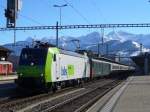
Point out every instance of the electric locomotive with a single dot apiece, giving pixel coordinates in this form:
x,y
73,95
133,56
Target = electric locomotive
x,y
50,67
47,68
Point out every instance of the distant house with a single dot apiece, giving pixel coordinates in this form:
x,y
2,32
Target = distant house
x,y
4,53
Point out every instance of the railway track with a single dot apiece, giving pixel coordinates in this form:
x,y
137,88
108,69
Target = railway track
x,y
11,104
18,103
75,102
81,102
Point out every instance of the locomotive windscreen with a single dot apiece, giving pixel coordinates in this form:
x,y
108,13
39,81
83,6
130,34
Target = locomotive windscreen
x,y
33,56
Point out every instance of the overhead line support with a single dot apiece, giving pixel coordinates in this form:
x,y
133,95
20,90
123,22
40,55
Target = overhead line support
x,y
77,26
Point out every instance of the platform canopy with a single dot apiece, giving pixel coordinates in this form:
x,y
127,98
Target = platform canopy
x,y
4,53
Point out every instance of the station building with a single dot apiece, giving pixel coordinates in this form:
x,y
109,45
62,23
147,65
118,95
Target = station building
x,y
143,63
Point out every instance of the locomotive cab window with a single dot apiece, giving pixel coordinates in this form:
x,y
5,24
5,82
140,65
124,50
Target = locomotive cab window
x,y
35,56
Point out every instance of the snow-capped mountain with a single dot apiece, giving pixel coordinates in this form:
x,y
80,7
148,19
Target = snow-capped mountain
x,y
120,42
120,35
123,36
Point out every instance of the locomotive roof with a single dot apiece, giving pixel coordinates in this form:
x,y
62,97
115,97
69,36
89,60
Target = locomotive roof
x,y
71,53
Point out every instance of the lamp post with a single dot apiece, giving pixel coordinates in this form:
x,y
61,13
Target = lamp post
x,y
60,6
141,48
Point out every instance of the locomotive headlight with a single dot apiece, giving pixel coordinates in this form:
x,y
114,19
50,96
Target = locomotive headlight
x,y
32,64
41,75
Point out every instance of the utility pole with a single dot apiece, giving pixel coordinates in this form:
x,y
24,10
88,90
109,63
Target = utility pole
x,y
141,47
98,49
57,45
107,49
14,37
119,57
102,36
102,31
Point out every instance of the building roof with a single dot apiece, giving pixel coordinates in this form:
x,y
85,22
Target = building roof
x,y
4,49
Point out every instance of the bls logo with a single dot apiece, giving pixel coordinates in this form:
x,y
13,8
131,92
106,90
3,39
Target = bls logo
x,y
63,71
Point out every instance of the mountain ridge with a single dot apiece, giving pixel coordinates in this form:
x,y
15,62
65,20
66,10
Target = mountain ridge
x,y
120,42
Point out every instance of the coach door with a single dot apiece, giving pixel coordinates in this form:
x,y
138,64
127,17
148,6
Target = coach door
x,y
57,66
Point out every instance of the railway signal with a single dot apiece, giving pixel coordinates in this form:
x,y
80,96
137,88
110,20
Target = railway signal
x,y
11,13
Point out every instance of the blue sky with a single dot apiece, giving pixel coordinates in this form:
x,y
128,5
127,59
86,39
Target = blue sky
x,y
42,12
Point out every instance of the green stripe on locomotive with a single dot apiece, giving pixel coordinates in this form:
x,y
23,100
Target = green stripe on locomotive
x,y
30,71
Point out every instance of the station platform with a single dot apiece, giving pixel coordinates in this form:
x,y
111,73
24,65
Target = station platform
x,y
8,77
131,96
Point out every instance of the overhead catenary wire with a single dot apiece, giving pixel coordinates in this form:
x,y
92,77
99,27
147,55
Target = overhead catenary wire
x,y
78,12
31,19
25,17
99,11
